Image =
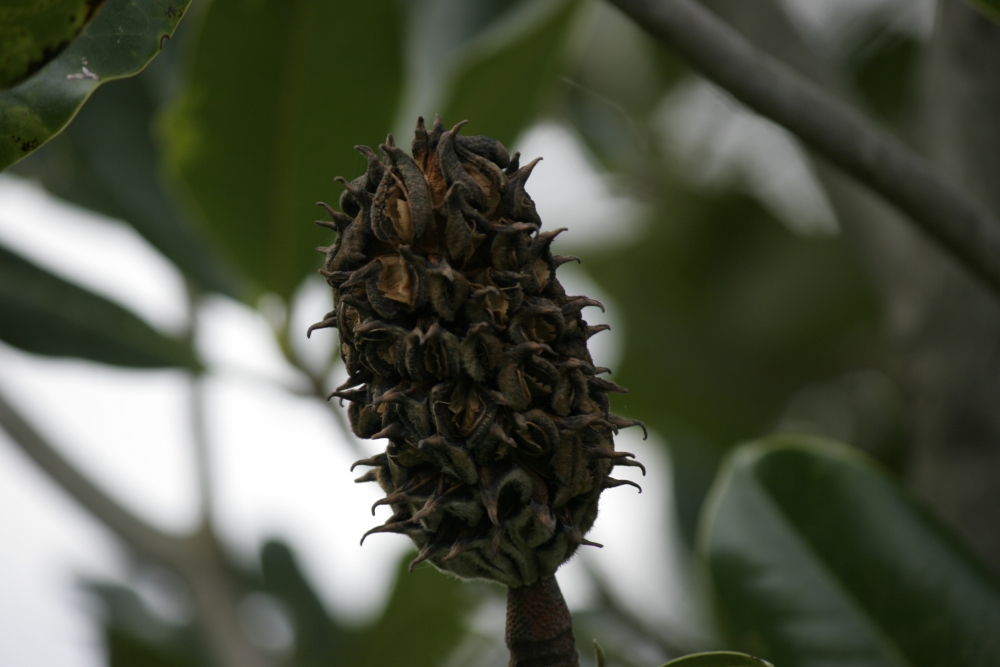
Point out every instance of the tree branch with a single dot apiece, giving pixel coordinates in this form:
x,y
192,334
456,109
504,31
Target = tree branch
x,y
837,132
140,536
197,558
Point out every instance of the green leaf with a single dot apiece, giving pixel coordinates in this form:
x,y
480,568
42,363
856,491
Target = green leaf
x,y
269,117
423,622
817,558
106,161
509,71
45,314
718,659
34,32
123,37
989,7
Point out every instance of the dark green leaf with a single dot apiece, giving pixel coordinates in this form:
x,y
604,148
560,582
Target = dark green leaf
x,y
727,314
106,161
319,642
136,637
123,37
45,314
504,83
989,7
33,33
423,623
818,558
718,659
270,116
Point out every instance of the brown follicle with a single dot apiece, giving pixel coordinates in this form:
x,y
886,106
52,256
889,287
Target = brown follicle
x,y
464,351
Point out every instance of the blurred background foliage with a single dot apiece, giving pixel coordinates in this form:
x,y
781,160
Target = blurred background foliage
x,y
741,316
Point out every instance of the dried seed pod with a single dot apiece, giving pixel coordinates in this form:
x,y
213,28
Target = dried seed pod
x,y
465,352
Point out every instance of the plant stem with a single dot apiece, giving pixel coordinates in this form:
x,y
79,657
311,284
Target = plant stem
x,y
539,627
836,131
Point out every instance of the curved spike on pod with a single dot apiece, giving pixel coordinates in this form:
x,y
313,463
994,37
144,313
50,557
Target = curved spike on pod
x,y
597,328
611,483
398,527
621,422
377,461
370,476
417,191
341,220
578,303
559,260
631,463
514,165
456,175
574,534
420,147
541,243
522,207
606,385
394,431
353,395
373,175
328,323
426,553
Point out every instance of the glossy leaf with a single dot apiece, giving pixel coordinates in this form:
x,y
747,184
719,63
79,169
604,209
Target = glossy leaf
x,y
510,71
121,39
818,558
33,33
106,161
718,659
278,93
45,314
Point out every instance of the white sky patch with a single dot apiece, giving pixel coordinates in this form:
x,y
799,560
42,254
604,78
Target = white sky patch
x,y
282,470
100,253
49,542
831,21
127,430
569,191
719,143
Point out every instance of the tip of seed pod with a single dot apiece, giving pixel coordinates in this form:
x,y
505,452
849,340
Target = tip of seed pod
x,y
390,140
420,124
458,126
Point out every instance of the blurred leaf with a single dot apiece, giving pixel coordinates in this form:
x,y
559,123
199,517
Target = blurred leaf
x,y
123,37
883,65
33,33
817,558
727,314
989,7
718,659
319,642
269,117
509,72
106,161
136,637
423,623
45,314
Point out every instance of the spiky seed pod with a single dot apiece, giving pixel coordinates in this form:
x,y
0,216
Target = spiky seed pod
x,y
463,350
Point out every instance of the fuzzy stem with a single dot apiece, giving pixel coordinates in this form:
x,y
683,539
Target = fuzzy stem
x,y
539,627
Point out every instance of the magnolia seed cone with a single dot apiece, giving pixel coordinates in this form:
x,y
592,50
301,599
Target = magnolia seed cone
x,y
464,351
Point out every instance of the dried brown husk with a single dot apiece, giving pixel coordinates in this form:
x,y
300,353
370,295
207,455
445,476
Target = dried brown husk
x,y
465,352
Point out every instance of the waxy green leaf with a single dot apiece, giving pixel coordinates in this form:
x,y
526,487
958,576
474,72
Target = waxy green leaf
x,y
718,659
33,32
278,94
818,558
121,39
509,71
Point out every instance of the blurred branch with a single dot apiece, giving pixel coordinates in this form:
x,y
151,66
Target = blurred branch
x,y
197,558
837,132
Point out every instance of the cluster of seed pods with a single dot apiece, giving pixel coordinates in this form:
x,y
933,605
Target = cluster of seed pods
x,y
465,352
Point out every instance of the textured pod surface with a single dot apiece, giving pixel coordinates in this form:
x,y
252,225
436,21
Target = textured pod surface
x,y
463,350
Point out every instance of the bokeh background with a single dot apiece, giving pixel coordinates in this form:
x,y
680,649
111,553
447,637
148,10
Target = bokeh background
x,y
749,288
